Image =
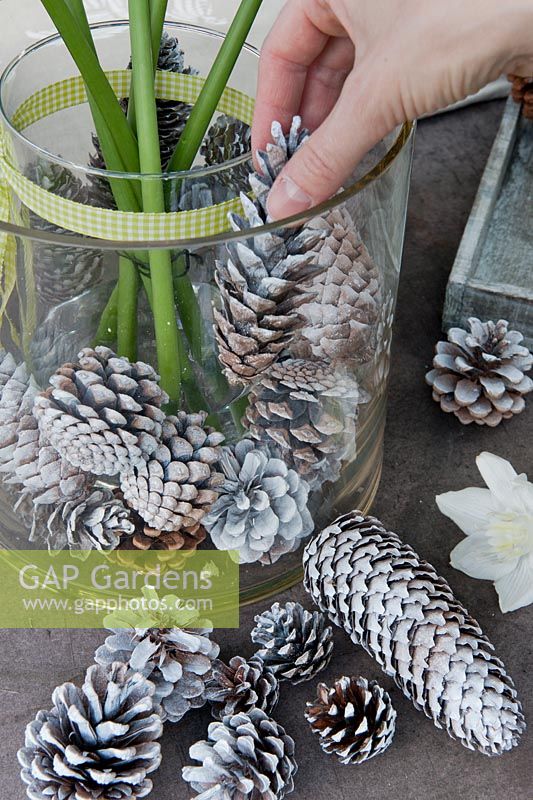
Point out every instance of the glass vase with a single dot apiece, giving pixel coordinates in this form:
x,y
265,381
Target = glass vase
x,y
320,405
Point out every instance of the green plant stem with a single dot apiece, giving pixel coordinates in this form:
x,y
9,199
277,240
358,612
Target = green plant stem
x,y
209,98
158,11
106,333
166,328
128,292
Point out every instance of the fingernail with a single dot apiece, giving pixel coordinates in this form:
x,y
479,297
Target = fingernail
x,y
287,198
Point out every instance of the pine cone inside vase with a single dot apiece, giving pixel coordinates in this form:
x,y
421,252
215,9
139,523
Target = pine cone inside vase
x,y
295,644
62,273
262,509
226,139
522,92
307,412
102,413
405,615
177,661
146,538
241,685
16,400
480,375
8,365
98,741
354,719
246,757
179,483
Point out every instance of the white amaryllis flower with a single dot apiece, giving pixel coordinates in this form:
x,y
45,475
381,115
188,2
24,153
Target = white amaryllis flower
x,y
498,523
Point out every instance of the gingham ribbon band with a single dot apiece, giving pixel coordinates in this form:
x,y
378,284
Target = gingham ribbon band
x,y
102,223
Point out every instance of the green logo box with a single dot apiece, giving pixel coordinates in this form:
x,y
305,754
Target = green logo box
x,y
118,589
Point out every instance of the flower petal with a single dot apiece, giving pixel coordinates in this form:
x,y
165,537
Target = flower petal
x,y
469,508
498,474
476,557
515,590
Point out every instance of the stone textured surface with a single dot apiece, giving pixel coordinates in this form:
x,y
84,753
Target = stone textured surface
x,y
426,452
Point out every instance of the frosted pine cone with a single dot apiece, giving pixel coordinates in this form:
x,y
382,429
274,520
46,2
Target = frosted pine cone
x,y
103,413
308,413
480,376
8,366
97,742
295,644
246,757
405,615
95,522
340,305
354,719
240,686
262,509
62,273
16,400
178,485
226,139
177,661
146,538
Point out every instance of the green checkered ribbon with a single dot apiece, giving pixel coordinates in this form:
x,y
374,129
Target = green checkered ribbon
x,y
103,223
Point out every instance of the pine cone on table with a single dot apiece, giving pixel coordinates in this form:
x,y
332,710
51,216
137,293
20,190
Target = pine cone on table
x,y
480,375
354,719
308,413
226,139
522,92
240,686
179,483
262,508
97,742
102,413
177,661
405,615
246,757
295,644
62,273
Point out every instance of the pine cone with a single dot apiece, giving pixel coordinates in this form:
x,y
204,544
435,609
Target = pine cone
x,y
102,414
97,742
354,719
240,686
258,279
262,509
177,661
295,644
396,606
145,538
193,193
62,273
308,412
178,485
479,376
16,400
340,305
522,92
226,139
8,365
246,757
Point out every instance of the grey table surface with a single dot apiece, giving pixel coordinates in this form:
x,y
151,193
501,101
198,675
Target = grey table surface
x,y
426,453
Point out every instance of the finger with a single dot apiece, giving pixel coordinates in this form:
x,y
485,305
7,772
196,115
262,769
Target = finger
x,y
299,35
325,79
327,160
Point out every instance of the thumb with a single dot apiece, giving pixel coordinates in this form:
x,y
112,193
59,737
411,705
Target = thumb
x,y
328,158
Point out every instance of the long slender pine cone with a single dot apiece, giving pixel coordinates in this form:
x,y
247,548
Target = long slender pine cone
x,y
176,487
241,685
103,413
405,615
308,413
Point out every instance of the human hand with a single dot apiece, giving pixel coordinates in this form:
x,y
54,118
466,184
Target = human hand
x,y
355,69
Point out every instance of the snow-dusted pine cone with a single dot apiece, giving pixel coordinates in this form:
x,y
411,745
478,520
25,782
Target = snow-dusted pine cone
x,y
354,719
8,365
522,92
480,375
246,757
405,615
94,522
308,413
177,661
241,685
146,538
178,485
98,741
16,400
103,413
262,509
62,273
226,139
258,278
295,644
340,305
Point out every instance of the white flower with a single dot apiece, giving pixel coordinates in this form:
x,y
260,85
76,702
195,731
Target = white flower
x,y
498,523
